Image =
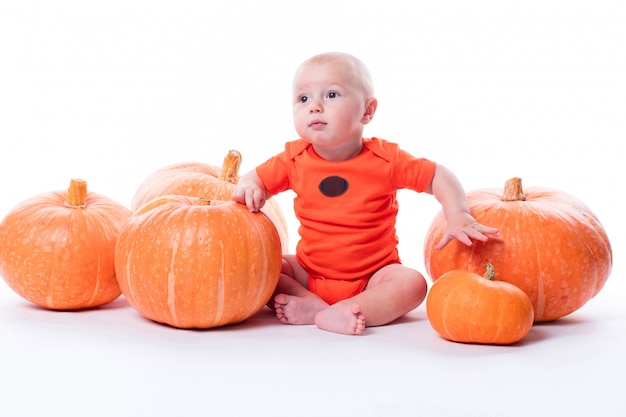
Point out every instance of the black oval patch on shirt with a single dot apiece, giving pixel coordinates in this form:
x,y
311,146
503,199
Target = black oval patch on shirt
x,y
333,186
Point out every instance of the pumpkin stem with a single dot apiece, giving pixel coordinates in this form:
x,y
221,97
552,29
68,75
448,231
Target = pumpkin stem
x,y
513,190
490,274
77,194
230,169
203,201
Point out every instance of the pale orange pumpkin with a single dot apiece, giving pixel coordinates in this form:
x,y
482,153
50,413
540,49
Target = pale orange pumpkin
x,y
57,249
465,307
551,246
193,263
197,179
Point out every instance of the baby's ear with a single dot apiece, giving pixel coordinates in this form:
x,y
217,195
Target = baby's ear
x,y
370,109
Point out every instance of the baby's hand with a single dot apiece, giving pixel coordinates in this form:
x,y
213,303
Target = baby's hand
x,y
253,198
466,229
250,191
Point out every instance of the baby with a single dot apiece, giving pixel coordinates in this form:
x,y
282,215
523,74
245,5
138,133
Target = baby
x,y
346,273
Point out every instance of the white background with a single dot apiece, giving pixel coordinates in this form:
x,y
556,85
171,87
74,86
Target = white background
x,y
111,91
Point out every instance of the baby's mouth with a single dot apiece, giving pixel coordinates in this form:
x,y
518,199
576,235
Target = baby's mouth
x,y
316,123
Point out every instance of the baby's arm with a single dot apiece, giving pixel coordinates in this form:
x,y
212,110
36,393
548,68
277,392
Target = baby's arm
x,y
251,191
460,223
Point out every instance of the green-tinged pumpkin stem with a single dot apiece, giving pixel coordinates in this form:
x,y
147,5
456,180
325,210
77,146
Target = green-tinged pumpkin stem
x,y
230,169
77,194
513,190
490,274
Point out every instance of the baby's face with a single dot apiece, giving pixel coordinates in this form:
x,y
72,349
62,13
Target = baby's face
x,y
329,104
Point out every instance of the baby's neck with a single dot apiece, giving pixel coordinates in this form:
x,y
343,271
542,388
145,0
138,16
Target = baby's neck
x,y
339,154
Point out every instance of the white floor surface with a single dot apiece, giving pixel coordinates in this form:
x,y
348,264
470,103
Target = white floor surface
x,y
113,362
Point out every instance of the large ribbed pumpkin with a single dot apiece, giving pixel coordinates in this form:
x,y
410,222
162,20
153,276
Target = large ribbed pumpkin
x,y
196,179
193,263
57,248
551,246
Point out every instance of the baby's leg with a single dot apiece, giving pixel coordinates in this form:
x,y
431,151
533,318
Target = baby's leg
x,y
392,292
292,301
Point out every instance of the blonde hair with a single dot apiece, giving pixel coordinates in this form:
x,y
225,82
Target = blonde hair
x,y
360,71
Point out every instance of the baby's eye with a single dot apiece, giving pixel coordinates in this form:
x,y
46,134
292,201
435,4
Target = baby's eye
x,y
303,99
333,94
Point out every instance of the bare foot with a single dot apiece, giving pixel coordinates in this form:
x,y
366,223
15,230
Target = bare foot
x,y
291,309
342,318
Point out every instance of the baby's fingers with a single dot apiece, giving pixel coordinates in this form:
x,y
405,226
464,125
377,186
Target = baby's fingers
x,y
251,199
486,230
255,200
445,239
477,232
238,196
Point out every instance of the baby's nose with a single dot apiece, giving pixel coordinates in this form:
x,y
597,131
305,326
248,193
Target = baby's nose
x,y
315,107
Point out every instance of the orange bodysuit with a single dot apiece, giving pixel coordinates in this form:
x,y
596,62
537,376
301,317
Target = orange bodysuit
x,y
347,210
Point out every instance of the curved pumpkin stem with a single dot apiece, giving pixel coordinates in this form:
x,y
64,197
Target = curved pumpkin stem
x,y
490,274
77,194
230,169
513,190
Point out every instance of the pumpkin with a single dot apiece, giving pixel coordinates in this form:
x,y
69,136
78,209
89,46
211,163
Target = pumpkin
x,y
57,249
551,246
197,179
193,263
465,307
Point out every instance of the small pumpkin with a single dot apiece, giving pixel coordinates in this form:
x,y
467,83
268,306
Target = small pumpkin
x,y
193,263
197,179
465,307
57,249
551,246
